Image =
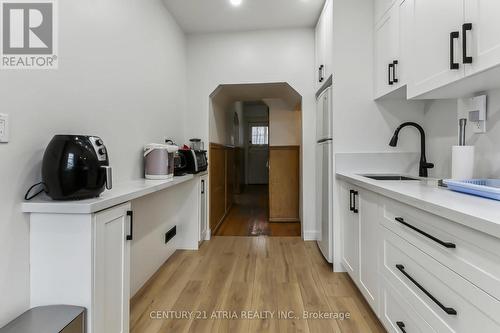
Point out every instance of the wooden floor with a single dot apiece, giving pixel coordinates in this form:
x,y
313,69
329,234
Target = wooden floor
x,y
231,276
249,216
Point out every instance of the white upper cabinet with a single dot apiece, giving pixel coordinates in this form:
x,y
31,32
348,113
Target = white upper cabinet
x,y
453,40
483,38
324,44
382,7
437,59
387,53
392,35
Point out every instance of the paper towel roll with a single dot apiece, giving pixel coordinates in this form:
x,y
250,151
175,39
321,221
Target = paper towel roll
x,y
462,164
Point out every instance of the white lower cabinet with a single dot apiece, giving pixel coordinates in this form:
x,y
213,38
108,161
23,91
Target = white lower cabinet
x,y
84,260
349,230
397,315
112,236
203,197
360,229
427,274
369,212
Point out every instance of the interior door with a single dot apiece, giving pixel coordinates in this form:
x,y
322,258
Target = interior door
x,y
111,271
483,40
433,22
258,154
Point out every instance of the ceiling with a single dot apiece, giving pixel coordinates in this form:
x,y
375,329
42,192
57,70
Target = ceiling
x,y
227,94
199,16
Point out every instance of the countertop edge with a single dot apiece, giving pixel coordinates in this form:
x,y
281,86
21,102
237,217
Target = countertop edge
x,y
487,226
138,188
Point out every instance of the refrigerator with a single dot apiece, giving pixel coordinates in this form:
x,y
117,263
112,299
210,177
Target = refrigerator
x,y
324,170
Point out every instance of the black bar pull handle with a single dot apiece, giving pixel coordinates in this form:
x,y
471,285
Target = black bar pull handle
x,y
465,27
321,78
394,77
450,311
351,207
390,69
202,186
354,209
447,245
130,214
401,326
453,35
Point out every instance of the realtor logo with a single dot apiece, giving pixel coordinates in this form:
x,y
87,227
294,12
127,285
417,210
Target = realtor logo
x,y
28,34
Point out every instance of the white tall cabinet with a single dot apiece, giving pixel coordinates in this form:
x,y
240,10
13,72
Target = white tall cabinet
x,y
324,44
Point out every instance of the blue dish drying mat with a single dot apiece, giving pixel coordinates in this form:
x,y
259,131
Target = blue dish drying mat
x,y
487,188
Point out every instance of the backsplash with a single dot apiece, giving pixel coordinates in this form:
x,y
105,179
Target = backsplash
x,y
441,124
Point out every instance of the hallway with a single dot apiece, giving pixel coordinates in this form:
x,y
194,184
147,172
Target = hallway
x,y
230,276
249,216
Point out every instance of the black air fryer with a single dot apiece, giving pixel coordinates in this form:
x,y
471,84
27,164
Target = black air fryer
x,y
76,167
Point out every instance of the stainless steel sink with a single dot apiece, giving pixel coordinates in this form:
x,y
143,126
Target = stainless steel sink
x,y
390,177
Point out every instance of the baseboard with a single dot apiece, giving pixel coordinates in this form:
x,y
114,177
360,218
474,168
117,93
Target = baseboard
x,y
310,235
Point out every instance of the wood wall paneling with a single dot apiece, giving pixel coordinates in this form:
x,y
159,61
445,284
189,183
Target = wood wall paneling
x,y
284,183
217,183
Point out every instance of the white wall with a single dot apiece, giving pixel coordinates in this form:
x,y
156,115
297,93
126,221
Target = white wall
x,y
360,123
442,118
284,124
121,75
255,57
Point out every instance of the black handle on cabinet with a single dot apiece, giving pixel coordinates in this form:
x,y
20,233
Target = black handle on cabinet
x,y
453,35
465,27
450,311
448,245
351,207
321,78
401,326
354,209
394,78
130,214
203,186
389,70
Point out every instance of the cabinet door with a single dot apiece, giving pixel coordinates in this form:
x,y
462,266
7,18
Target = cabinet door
x,y
405,40
369,213
350,231
433,22
386,52
319,49
111,271
483,41
381,8
328,39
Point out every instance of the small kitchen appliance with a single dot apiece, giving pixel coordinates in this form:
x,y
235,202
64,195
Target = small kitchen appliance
x,y
76,167
193,161
159,161
196,144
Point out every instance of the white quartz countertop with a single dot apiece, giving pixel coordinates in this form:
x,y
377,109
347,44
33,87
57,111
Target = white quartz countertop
x,y
475,212
120,193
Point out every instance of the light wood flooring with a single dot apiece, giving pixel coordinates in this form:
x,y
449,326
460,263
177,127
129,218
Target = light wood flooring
x,y
250,274
249,216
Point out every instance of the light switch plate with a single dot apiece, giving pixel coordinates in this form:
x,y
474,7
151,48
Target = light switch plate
x,y
4,128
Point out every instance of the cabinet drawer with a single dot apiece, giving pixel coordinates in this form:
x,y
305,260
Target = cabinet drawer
x,y
445,300
398,316
476,255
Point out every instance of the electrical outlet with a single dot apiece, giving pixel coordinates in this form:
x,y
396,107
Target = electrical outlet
x,y
4,128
